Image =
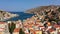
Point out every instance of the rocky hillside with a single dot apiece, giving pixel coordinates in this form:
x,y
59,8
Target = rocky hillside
x,y
51,12
6,15
43,8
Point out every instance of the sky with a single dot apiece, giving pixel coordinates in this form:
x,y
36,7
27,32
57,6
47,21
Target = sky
x,y
22,5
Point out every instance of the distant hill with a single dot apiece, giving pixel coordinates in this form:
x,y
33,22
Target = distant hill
x,y
43,8
51,12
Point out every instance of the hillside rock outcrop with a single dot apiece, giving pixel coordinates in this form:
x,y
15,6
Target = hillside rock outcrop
x,y
51,12
6,15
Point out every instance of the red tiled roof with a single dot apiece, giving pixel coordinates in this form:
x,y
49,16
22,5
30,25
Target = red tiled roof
x,y
30,26
17,30
42,27
2,22
26,26
36,24
51,30
56,26
2,29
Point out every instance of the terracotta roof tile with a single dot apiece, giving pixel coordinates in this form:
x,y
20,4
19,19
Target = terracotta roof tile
x,y
2,22
56,26
51,30
16,30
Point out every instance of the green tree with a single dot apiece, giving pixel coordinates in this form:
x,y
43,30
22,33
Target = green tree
x,y
11,27
21,31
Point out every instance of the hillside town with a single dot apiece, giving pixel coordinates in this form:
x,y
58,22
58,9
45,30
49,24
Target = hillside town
x,y
31,25
45,22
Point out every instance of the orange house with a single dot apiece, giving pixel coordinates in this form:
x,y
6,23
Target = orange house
x,y
32,32
16,31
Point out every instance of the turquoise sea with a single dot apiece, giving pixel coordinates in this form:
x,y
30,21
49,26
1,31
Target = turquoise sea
x,y
21,16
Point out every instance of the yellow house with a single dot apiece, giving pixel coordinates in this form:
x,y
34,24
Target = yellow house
x,y
38,32
2,30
